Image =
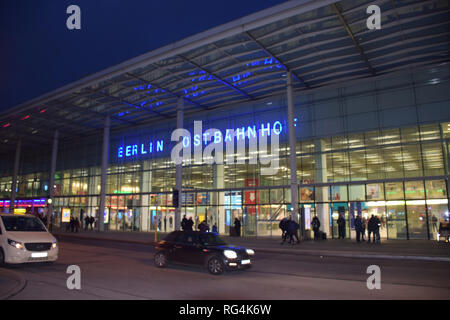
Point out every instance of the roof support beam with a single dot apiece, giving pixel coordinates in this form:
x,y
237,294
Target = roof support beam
x,y
134,105
217,77
355,42
168,91
296,76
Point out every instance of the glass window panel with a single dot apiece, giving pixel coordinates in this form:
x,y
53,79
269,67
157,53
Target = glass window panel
x,y
357,193
375,191
396,220
414,190
433,159
417,222
436,189
410,134
430,132
436,215
338,193
394,191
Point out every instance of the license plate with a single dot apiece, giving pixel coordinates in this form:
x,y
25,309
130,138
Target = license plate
x,y
39,254
245,262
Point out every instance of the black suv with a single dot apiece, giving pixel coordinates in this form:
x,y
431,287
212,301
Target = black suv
x,y
206,249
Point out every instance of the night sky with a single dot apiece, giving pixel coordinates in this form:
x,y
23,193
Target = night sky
x,y
38,54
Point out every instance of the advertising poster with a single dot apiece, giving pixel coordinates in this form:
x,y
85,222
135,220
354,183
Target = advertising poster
x,y
106,216
65,215
251,196
307,211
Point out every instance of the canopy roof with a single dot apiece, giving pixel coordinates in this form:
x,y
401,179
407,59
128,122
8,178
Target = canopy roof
x,y
321,42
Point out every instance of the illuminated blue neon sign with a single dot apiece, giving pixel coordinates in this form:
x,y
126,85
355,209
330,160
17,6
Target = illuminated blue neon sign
x,y
241,133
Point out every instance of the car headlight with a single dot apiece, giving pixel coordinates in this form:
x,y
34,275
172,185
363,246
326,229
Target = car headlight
x,y
15,244
250,252
230,254
54,245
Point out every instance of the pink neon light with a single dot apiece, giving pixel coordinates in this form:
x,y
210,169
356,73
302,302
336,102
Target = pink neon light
x,y
6,125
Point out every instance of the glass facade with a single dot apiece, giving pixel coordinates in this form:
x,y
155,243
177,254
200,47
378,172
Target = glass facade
x,y
370,148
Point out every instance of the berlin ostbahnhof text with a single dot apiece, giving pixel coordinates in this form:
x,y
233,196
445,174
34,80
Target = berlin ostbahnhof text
x,y
371,129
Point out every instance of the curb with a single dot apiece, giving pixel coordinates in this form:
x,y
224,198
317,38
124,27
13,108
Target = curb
x,y
21,283
340,254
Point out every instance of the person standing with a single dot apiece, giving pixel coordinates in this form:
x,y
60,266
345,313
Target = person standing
x,y
363,228
189,224
341,227
358,228
371,228
377,226
315,223
237,227
184,222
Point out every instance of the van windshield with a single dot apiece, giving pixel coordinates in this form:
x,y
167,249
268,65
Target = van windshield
x,y
23,224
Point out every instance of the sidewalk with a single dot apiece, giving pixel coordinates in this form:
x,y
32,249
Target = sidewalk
x,y
425,250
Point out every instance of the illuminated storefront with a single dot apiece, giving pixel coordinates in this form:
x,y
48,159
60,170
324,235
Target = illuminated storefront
x,y
365,145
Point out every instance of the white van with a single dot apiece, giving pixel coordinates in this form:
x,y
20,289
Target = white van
x,y
24,238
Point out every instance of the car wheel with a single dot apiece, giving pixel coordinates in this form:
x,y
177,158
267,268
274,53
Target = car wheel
x,y
160,260
215,266
2,258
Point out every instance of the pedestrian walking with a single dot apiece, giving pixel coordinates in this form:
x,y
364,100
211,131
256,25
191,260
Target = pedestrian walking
x,y
341,227
315,223
292,230
237,227
91,222
283,227
358,228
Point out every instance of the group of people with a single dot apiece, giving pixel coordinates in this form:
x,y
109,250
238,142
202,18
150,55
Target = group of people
x,y
373,227
361,224
75,224
188,224
289,229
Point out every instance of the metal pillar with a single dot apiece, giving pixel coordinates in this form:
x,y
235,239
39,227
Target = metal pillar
x,y
179,168
15,175
292,150
105,154
51,186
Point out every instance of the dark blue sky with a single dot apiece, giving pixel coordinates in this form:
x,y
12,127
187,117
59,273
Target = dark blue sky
x,y
39,54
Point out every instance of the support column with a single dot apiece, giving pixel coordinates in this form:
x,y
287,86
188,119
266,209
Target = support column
x,y
322,209
219,197
146,186
15,176
179,168
292,152
104,176
51,186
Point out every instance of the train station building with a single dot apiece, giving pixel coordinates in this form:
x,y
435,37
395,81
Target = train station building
x,y
360,117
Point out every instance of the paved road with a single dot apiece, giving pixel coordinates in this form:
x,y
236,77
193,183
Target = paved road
x,y
125,271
